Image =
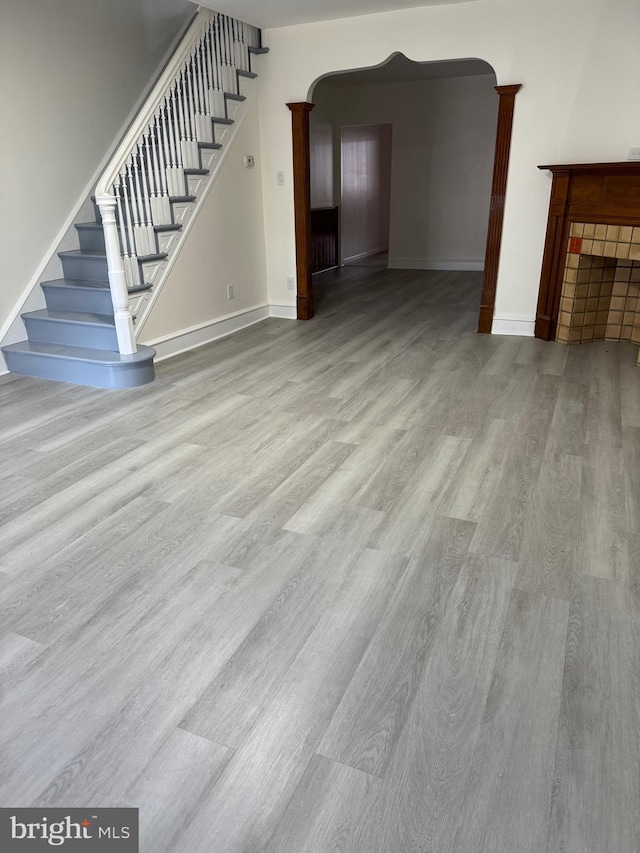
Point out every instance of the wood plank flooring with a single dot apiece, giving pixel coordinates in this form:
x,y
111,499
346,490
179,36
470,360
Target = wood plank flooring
x,y
368,583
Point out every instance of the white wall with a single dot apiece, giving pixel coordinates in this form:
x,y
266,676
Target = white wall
x,y
224,246
443,148
366,189
70,72
577,60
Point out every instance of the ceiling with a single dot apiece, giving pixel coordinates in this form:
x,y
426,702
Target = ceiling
x,y
399,69
283,13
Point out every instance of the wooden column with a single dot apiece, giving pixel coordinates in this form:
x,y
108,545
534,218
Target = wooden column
x,y
496,213
554,257
302,206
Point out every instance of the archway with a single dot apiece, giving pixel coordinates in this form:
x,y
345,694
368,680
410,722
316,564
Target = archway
x,y
491,184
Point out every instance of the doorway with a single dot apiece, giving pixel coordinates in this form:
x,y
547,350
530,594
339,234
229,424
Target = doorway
x,y
365,192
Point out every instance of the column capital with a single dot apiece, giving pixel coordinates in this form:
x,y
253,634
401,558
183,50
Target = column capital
x,y
300,107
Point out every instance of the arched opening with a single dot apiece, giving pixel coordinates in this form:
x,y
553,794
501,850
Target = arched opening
x,y
437,122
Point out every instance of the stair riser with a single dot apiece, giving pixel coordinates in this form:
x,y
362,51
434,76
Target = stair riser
x,y
91,239
73,334
80,373
85,269
87,301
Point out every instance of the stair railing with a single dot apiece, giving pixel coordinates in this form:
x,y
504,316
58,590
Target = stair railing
x,y
148,168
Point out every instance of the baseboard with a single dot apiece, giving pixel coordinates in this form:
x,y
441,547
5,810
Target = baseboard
x,y
513,326
423,264
205,333
362,255
284,312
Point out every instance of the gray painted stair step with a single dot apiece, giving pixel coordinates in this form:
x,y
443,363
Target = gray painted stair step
x,y
81,365
87,296
85,266
71,327
91,236
230,96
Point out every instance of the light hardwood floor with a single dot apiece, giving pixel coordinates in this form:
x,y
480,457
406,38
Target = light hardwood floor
x,y
369,583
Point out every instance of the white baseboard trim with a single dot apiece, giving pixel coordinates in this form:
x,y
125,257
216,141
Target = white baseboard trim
x,y
204,333
361,255
284,312
513,326
422,264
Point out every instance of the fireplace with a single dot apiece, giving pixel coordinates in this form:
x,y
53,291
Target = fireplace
x,y
590,283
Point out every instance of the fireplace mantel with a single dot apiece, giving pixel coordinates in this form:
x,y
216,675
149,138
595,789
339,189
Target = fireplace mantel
x,y
606,193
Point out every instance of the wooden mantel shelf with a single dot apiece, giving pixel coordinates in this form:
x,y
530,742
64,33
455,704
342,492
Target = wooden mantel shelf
x,y
606,193
610,168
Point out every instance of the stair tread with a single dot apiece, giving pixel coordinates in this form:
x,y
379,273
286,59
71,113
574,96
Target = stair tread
x,y
156,256
220,120
88,354
79,253
196,171
234,97
168,227
88,285
70,317
251,75
214,145
181,198
258,50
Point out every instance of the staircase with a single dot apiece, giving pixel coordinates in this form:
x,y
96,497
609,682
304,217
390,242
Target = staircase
x,y
157,175
74,339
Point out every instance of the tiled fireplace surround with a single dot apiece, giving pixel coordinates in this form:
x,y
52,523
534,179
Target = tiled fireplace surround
x,y
600,285
590,280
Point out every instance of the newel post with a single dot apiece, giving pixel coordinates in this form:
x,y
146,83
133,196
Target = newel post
x,y
117,279
302,206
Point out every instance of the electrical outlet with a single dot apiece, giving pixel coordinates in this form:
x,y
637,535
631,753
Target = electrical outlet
x,y
280,179
249,161
229,291
634,154
291,283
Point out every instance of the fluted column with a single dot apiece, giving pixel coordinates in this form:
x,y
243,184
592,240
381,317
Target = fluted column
x,y
302,206
496,213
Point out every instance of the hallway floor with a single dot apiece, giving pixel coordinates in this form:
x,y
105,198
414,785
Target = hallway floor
x,y
369,583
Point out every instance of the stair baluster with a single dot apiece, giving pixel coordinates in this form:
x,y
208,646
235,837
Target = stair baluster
x,y
150,178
